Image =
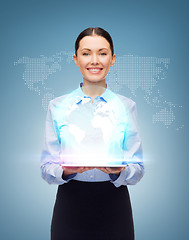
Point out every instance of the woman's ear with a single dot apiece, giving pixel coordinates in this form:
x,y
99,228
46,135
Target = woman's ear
x,y
75,60
113,60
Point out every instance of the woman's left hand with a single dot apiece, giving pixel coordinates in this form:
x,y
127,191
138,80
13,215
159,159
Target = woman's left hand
x,y
111,170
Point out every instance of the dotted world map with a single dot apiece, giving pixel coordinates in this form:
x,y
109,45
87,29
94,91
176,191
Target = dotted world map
x,y
130,72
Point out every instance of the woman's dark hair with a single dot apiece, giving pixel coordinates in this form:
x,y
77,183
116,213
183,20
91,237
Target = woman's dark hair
x,y
92,32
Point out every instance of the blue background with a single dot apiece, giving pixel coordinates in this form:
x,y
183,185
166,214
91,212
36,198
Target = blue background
x,y
146,28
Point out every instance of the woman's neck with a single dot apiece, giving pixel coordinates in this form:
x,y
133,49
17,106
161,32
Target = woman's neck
x,y
94,89
101,83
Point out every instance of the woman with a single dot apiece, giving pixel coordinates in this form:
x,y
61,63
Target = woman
x,y
87,132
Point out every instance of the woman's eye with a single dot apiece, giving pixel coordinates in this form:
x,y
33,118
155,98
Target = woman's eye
x,y
85,54
103,54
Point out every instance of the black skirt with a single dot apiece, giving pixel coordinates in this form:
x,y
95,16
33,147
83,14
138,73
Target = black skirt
x,y
92,211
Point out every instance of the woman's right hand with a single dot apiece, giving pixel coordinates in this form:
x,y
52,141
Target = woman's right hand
x,y
70,170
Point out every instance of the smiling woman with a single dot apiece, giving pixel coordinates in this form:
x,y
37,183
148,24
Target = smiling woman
x,y
92,150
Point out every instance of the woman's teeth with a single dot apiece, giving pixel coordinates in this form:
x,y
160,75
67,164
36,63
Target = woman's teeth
x,y
94,69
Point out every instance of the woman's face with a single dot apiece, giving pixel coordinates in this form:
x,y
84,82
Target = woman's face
x,y
94,57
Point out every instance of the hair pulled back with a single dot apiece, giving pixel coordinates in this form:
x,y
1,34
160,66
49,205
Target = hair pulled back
x,y
92,32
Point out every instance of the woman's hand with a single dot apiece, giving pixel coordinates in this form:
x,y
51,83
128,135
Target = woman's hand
x,y
70,170
111,170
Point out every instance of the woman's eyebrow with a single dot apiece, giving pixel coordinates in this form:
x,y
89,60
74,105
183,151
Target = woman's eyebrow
x,y
90,49
85,49
103,49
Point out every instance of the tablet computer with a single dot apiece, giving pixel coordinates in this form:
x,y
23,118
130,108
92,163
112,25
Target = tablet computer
x,y
124,164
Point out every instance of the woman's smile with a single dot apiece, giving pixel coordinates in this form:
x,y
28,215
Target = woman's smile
x,y
95,70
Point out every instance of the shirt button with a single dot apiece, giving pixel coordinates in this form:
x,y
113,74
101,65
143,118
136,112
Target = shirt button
x,y
91,176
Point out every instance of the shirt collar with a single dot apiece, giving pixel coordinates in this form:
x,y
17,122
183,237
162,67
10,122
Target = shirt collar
x,y
107,95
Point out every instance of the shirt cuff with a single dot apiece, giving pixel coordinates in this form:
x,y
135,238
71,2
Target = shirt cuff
x,y
58,176
121,180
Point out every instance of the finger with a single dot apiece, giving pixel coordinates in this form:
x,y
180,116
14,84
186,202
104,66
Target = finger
x,y
100,168
108,169
89,168
81,169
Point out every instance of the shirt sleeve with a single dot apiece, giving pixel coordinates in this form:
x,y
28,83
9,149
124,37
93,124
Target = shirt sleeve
x,y
132,147
51,171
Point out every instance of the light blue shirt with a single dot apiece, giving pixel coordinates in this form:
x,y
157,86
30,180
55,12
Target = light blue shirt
x,y
105,131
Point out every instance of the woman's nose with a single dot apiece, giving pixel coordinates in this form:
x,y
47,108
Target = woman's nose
x,y
94,59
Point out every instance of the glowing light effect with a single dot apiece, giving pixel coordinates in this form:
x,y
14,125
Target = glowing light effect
x,y
93,133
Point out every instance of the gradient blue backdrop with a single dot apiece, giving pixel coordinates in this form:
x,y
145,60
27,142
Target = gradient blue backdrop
x,y
145,28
